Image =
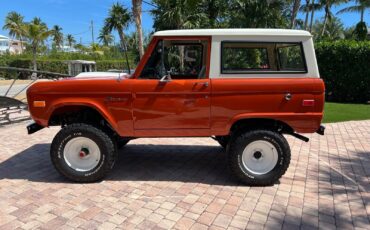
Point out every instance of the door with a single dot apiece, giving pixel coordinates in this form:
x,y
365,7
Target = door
x,y
173,89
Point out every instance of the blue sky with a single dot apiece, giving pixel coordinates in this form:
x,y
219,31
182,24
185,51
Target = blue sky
x,y
74,16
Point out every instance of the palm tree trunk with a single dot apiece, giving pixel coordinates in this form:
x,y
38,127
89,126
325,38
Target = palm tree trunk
x,y
307,14
296,6
123,45
324,25
34,52
312,14
362,14
136,5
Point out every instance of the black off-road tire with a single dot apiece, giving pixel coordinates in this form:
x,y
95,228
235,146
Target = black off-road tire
x,y
235,151
223,140
104,142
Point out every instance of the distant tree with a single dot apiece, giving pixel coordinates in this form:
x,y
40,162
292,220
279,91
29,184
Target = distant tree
x,y
327,5
105,37
361,7
57,36
306,8
118,19
361,28
310,7
177,14
215,12
259,14
295,9
14,23
70,40
137,10
36,32
334,29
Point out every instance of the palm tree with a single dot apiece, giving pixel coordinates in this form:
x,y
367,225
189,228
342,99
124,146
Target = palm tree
x,y
70,40
215,12
328,14
177,14
36,32
334,29
137,10
361,29
259,14
14,23
361,7
118,19
57,36
105,37
307,8
296,5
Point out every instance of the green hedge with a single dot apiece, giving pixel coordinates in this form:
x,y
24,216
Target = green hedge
x,y
345,67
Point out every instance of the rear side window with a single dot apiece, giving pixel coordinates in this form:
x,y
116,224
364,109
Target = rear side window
x,y
290,57
255,57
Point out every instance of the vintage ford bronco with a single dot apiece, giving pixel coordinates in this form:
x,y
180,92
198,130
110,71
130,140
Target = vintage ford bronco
x,y
243,87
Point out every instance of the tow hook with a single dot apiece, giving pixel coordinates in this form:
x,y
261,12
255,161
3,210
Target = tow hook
x,y
321,130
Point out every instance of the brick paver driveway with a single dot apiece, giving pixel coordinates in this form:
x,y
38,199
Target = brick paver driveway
x,y
184,183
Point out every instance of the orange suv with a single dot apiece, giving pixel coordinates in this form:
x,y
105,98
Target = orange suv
x,y
243,87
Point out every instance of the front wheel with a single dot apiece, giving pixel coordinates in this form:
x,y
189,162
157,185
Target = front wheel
x,y
83,153
258,157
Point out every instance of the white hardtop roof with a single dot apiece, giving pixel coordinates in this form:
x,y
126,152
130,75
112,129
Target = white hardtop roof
x,y
234,32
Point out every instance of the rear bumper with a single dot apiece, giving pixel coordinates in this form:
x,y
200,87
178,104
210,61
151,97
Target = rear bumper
x,y
34,127
321,130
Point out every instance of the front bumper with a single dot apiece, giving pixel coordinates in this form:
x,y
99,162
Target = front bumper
x,y
34,127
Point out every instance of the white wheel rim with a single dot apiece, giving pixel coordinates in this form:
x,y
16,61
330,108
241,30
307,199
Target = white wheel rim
x,y
260,157
72,151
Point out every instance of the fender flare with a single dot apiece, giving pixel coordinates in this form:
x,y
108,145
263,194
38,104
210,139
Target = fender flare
x,y
91,104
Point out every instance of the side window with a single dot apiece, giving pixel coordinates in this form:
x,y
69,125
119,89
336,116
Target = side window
x,y
182,59
290,57
261,57
240,57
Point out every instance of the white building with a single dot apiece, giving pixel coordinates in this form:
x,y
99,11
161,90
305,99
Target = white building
x,y
11,45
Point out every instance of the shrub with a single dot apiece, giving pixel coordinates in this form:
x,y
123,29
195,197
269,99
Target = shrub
x,y
344,66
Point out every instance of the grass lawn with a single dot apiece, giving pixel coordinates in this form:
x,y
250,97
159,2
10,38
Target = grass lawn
x,y
335,112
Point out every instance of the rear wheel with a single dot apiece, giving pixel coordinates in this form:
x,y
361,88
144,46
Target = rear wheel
x,y
83,153
258,157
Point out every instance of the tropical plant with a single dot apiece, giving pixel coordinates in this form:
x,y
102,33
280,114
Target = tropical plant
x,y
14,23
310,8
177,14
36,32
118,19
327,5
70,40
57,36
215,13
137,10
295,9
259,14
334,29
105,37
360,31
361,7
